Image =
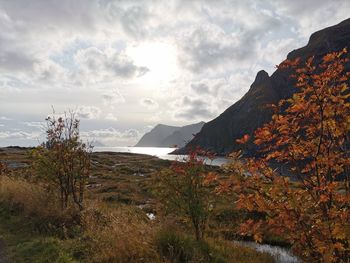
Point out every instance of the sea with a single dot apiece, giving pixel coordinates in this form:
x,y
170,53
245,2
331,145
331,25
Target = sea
x,y
160,152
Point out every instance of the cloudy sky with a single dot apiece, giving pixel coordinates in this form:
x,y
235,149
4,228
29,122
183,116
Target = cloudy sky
x,y
126,65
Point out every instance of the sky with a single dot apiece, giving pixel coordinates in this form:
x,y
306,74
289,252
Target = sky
x,y
126,65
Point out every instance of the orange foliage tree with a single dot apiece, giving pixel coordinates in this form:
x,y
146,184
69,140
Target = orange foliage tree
x,y
309,136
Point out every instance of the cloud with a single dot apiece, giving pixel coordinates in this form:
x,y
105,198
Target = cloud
x,y
208,97
35,124
21,138
193,109
230,38
14,61
9,83
312,15
64,13
13,58
276,51
133,20
111,133
200,88
112,136
48,70
88,112
206,47
112,98
4,118
149,103
104,65
111,117
21,135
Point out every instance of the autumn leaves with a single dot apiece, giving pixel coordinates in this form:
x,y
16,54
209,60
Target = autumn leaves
x,y
309,136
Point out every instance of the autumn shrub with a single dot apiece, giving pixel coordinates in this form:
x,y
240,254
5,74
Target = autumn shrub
x,y
63,161
309,136
185,190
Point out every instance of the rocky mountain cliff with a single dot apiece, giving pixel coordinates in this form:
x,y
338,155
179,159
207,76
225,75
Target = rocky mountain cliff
x,y
249,113
168,136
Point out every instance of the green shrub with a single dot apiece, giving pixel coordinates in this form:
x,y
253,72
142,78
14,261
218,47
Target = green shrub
x,y
176,247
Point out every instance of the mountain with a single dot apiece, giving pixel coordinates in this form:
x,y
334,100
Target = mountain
x,y
168,136
250,112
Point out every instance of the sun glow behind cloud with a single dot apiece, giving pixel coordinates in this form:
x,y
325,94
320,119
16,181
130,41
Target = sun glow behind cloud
x,y
161,60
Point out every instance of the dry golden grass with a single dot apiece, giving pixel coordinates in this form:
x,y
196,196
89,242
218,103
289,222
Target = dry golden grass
x,y
27,197
38,205
121,234
107,234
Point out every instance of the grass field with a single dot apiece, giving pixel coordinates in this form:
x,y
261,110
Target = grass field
x,y
114,226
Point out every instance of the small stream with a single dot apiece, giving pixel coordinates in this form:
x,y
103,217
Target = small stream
x,y
281,255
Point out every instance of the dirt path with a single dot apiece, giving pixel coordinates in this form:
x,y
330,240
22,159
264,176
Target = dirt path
x,y
3,258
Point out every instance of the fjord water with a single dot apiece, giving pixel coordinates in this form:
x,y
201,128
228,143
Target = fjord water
x,y
160,152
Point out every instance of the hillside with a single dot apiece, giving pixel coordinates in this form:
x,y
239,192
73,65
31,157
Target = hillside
x,y
249,113
168,136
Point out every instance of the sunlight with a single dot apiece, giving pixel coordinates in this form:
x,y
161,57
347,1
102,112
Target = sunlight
x,y
159,57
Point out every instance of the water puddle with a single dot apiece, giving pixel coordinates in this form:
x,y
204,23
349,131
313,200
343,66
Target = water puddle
x,y
281,255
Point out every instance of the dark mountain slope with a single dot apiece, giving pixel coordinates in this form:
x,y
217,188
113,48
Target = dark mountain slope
x,y
168,136
182,135
154,137
249,113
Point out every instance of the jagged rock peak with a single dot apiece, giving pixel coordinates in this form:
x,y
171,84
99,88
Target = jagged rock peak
x,y
329,32
261,76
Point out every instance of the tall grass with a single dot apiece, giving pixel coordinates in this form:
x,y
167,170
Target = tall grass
x,y
98,234
37,204
122,234
102,233
29,198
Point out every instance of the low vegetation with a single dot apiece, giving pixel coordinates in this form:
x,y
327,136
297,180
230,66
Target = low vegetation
x,y
112,222
36,230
